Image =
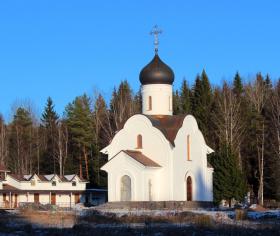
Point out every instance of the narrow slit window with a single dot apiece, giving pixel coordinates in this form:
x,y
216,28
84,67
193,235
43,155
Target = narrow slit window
x,y
139,141
169,102
150,103
188,148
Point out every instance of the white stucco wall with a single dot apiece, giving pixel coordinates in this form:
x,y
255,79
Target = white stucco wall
x,y
196,167
25,190
139,175
161,95
155,146
169,181
62,200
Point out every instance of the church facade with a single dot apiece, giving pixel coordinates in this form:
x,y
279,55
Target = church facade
x,y
158,156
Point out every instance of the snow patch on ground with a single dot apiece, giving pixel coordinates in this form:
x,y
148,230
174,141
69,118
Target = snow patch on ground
x,y
264,214
217,215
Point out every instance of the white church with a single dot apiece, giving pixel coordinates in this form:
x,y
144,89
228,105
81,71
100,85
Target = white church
x,y
158,156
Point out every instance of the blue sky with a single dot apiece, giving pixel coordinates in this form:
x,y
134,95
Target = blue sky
x,y
65,48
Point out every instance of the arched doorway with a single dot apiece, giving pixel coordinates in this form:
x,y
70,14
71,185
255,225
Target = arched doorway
x,y
189,189
125,188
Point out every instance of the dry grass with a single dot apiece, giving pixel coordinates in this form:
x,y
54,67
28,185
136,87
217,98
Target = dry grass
x,y
203,221
50,219
96,217
192,223
240,214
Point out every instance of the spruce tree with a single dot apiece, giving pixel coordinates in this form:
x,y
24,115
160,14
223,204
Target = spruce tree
x,y
137,101
102,136
229,182
176,103
122,105
237,85
201,103
185,94
50,126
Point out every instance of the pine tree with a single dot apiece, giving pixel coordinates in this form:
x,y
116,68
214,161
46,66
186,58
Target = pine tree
x,y
80,124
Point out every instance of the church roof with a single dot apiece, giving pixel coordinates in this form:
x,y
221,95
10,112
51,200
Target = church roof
x,y
168,125
156,72
141,158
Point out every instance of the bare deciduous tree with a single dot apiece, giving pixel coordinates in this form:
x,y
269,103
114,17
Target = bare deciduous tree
x,y
257,94
229,126
3,141
62,146
275,105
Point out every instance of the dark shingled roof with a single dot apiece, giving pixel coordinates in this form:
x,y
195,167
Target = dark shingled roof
x,y
42,178
17,177
168,125
141,158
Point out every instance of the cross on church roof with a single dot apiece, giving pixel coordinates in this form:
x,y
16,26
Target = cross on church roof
x,y
156,31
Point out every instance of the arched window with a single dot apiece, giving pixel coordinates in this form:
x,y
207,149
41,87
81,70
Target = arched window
x,y
150,103
139,141
125,188
189,188
188,148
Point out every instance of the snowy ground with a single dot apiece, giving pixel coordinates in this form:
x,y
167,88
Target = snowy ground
x,y
217,214
119,220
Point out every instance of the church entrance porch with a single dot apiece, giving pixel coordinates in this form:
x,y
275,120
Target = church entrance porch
x,y
125,188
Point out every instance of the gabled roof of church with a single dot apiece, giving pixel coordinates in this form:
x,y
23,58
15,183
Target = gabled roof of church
x,y
137,156
141,158
168,125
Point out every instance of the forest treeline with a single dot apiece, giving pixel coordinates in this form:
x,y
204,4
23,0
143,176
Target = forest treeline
x,y
239,120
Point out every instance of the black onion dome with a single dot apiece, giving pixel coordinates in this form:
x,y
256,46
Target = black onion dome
x,y
156,72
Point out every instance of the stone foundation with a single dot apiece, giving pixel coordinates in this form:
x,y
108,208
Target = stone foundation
x,y
164,205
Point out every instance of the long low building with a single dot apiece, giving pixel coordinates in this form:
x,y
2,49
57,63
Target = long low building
x,y
63,191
